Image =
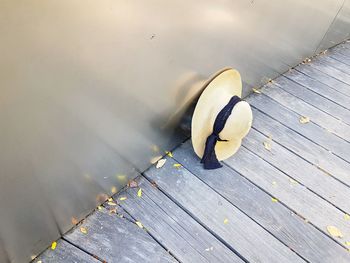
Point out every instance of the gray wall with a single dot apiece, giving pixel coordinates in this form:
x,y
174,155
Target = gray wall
x,y
94,89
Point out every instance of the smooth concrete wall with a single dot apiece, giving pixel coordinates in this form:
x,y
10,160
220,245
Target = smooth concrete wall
x,y
92,90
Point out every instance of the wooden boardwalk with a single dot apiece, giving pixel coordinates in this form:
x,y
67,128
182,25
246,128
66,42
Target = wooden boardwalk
x,y
264,205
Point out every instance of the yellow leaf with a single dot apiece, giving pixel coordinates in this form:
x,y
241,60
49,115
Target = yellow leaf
x,y
83,230
99,207
160,163
139,224
113,189
347,243
113,211
139,192
267,145
177,165
110,199
346,217
74,221
335,232
304,119
255,90
225,221
274,200
169,154
112,203
274,183
122,198
53,245
39,261
121,177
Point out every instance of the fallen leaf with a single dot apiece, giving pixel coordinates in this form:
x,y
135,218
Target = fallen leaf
x,y
121,177
113,189
155,159
304,119
74,221
169,154
154,184
347,243
274,183
177,165
335,232
267,145
122,198
99,207
255,90
113,211
139,224
83,230
112,203
139,192
101,198
110,199
225,221
39,261
53,245
160,163
292,181
133,184
274,200
347,217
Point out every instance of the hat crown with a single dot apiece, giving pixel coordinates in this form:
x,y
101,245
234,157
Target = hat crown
x,y
239,122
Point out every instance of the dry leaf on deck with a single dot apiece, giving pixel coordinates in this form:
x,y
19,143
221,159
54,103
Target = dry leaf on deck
x,y
347,217
160,163
83,230
169,154
274,200
139,192
74,221
267,145
112,203
225,221
304,119
113,211
121,177
139,224
335,232
347,243
177,165
122,198
155,159
99,207
255,90
133,184
53,245
110,199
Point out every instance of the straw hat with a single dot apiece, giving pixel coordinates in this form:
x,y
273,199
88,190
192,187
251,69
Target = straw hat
x,y
216,95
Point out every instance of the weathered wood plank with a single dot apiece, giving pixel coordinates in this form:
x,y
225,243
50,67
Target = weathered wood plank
x,y
318,88
63,253
296,196
216,213
328,60
313,153
290,119
343,49
338,56
289,228
331,71
314,99
300,170
324,78
116,239
187,240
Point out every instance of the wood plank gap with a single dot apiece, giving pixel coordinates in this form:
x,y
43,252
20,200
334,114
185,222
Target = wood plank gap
x,y
84,250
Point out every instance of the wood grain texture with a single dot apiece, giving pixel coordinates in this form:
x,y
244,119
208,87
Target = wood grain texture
x,y
331,71
275,108
324,78
338,56
187,240
116,239
301,146
240,232
299,170
295,196
328,60
314,99
64,253
319,88
289,228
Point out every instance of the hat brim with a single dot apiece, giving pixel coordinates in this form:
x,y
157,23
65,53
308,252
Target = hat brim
x,y
215,96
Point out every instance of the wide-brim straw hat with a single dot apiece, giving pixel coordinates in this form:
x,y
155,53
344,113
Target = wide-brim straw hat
x,y
217,93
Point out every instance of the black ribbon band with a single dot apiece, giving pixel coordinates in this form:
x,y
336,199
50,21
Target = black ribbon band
x,y
209,159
